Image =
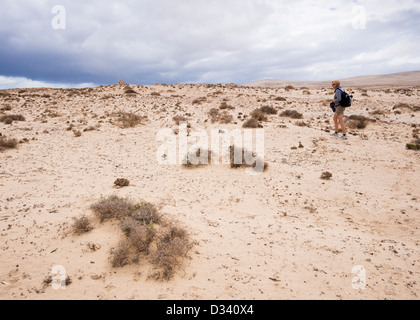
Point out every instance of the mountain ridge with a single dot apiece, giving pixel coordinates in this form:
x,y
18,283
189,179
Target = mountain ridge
x,y
400,79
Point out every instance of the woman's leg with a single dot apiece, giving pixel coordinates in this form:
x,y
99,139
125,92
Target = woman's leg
x,y
335,123
342,124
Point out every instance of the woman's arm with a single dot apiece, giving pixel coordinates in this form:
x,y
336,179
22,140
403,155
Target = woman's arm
x,y
337,97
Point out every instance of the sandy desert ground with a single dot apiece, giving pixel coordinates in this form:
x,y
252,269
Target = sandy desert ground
x,y
282,234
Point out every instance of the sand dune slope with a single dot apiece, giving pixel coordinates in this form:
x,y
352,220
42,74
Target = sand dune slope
x,y
281,234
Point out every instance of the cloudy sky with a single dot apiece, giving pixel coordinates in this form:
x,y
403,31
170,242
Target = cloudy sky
x,y
64,43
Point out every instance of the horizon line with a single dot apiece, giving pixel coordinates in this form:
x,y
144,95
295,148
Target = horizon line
x,y
40,84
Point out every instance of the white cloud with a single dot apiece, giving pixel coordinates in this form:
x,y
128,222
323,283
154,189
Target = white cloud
x,y
389,10
196,40
21,82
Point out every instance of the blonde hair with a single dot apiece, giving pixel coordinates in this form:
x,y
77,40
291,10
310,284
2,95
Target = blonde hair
x,y
336,82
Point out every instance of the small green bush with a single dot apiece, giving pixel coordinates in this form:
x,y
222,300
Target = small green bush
x,y
413,146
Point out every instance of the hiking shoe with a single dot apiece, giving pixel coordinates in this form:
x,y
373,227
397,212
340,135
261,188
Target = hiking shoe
x,y
335,134
344,137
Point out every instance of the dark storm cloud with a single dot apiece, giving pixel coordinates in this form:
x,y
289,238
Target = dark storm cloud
x,y
215,41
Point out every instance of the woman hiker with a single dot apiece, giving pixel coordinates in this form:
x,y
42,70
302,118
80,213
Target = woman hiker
x,y
339,110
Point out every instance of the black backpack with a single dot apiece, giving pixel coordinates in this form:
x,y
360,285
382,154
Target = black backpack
x,y
346,99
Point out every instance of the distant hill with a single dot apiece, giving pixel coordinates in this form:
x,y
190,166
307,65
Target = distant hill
x,y
402,79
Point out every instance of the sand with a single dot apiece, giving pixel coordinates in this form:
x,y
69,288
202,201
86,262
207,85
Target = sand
x,y
281,234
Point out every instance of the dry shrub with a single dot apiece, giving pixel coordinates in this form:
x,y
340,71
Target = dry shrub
x,y
6,108
357,122
120,256
259,115
214,114
113,207
121,182
128,120
224,105
77,133
407,107
8,119
93,246
251,123
146,213
7,143
179,119
280,99
268,110
81,225
146,234
137,240
49,280
91,128
199,100
291,114
401,106
326,175
378,112
51,113
128,90
244,155
139,236
221,117
172,246
202,157
302,124
225,118
357,117
288,88
413,146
